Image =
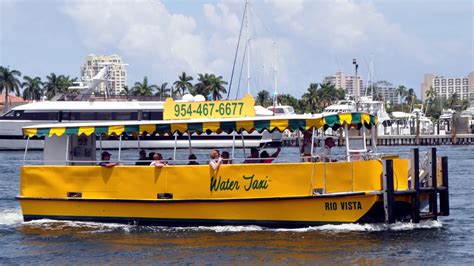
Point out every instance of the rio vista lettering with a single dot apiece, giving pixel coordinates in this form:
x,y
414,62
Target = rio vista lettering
x,y
249,183
343,205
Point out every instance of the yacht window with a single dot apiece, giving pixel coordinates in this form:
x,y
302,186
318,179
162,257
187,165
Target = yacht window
x,y
279,111
126,116
83,116
104,116
9,114
37,115
291,110
65,115
156,115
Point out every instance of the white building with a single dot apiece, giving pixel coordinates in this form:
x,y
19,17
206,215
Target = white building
x,y
345,82
387,91
445,87
116,77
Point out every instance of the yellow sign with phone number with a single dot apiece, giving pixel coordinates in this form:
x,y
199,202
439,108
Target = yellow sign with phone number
x,y
209,109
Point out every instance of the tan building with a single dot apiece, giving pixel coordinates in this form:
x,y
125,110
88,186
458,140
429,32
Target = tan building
x,y
346,82
116,77
445,87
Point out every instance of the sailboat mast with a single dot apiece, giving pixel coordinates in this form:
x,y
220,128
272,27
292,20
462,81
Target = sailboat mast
x,y
248,44
275,100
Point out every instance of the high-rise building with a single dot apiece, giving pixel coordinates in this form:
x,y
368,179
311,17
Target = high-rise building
x,y
445,87
345,82
116,77
387,91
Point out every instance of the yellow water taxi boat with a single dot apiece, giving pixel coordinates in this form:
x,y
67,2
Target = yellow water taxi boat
x,y
362,186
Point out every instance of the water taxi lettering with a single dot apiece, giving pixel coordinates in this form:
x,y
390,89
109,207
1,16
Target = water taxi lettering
x,y
343,205
224,185
255,184
249,183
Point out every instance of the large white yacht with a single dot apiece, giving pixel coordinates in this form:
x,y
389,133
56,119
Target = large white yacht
x,y
47,112
363,104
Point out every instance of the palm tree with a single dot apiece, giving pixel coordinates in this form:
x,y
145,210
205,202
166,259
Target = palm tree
x,y
263,97
202,87
401,92
216,87
453,100
126,91
183,83
163,91
10,82
54,84
410,98
143,89
431,93
32,88
311,97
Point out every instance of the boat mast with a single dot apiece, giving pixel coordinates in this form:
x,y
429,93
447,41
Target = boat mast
x,y
248,44
275,100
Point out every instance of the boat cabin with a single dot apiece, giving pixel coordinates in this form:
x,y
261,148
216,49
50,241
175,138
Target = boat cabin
x,y
80,143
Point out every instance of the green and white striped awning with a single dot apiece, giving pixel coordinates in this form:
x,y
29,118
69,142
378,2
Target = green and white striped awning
x,y
200,126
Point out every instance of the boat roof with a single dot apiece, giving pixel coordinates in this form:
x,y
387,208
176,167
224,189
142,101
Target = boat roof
x,y
88,106
228,125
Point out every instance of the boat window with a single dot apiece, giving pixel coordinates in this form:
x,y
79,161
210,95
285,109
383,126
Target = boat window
x,y
9,114
126,116
154,115
291,110
104,116
279,111
22,115
83,116
65,115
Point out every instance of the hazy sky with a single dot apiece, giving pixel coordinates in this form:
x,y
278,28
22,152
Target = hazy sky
x,y
315,38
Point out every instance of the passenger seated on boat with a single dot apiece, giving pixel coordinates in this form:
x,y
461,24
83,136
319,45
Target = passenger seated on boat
x,y
150,156
253,158
158,160
326,151
267,158
216,159
142,160
105,160
306,147
192,160
225,158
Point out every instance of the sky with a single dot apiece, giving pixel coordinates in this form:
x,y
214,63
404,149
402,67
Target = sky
x,y
314,38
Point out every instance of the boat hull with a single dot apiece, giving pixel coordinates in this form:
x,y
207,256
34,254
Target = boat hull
x,y
273,212
271,195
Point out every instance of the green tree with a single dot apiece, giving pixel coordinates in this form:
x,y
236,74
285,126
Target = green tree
x,y
311,98
32,88
183,83
143,88
216,87
126,91
57,84
431,93
9,82
410,98
453,101
202,87
164,91
263,98
287,99
401,92
328,94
